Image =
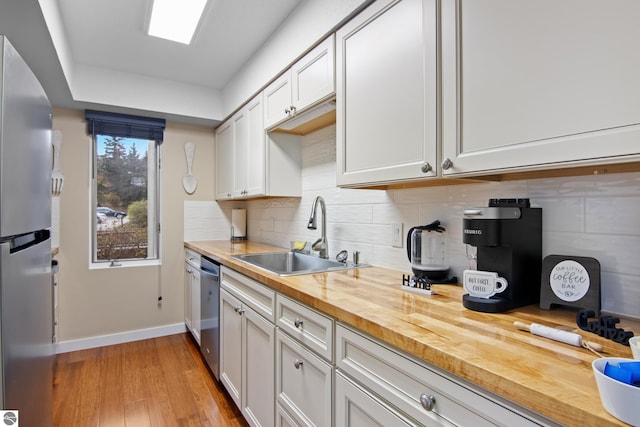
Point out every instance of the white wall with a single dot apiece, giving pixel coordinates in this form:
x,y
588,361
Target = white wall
x,y
111,301
594,216
306,25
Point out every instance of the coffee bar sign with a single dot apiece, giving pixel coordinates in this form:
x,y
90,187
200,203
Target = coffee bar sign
x,y
570,281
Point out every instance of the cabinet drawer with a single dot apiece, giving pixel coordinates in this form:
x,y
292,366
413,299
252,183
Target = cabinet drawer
x,y
306,325
403,382
355,407
254,294
192,257
303,383
283,419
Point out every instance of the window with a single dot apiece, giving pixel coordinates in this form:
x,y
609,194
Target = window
x,y
125,187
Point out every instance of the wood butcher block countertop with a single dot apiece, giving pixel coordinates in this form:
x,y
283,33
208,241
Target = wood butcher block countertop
x,y
548,377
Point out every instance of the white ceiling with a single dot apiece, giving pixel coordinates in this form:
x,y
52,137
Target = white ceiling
x,y
111,34
108,35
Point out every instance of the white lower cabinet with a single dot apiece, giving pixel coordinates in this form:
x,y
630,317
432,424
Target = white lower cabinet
x,y
289,375
283,419
192,293
247,340
303,383
424,394
355,407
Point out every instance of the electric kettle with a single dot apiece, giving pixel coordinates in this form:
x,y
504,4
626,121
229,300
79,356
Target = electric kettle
x,y
427,251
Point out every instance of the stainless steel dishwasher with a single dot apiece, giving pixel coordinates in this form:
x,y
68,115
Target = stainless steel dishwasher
x,y
210,313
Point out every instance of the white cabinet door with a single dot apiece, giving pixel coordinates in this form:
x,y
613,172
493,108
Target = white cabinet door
x,y
224,161
255,164
258,369
247,346
195,304
310,80
303,383
231,345
386,88
313,76
357,408
277,100
539,84
240,152
187,295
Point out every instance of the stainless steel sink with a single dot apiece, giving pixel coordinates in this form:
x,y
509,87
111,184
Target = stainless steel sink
x,y
294,263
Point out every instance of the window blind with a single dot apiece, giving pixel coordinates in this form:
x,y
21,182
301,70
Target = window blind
x,y
124,125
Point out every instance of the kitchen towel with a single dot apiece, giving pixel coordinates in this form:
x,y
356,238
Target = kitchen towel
x,y
238,224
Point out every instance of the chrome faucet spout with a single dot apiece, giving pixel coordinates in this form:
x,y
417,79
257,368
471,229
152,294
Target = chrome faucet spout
x,y
320,245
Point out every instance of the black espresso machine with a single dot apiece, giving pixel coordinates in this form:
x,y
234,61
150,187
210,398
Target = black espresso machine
x,y
508,238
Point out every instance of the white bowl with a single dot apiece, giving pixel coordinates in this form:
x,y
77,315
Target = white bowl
x,y
634,343
619,399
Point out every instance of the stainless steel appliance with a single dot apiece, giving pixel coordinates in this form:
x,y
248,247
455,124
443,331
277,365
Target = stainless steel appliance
x,y
210,313
26,311
508,237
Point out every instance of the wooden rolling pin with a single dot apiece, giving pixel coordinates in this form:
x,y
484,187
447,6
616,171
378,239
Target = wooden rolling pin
x,y
557,335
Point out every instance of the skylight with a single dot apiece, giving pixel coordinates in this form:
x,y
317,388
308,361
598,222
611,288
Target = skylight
x,y
176,20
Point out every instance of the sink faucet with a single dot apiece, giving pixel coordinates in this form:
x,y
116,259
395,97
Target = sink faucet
x,y
320,245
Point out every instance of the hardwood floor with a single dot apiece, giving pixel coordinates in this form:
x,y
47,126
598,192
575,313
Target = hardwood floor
x,y
156,382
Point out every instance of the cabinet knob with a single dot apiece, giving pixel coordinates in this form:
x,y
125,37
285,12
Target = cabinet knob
x,y
447,163
297,322
239,309
293,109
297,363
287,111
426,167
427,401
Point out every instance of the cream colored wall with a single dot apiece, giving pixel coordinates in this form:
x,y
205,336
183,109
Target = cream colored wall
x,y
108,301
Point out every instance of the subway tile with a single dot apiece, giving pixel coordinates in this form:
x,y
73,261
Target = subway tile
x,y
615,255
613,215
620,294
562,213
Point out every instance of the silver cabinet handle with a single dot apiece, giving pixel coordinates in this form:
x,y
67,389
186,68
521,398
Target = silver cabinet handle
x,y
287,111
427,401
239,309
426,167
447,164
293,109
297,322
298,363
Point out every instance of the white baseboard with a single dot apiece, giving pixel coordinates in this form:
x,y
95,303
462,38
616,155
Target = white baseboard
x,y
119,338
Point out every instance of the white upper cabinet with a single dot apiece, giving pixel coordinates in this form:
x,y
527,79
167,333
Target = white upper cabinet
x,y
310,80
539,84
224,161
253,169
386,91
240,153
250,163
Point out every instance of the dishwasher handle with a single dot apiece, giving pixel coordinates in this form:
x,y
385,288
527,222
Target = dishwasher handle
x,y
211,273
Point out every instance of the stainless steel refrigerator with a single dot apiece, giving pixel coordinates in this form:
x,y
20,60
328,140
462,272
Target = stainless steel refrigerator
x,y
26,329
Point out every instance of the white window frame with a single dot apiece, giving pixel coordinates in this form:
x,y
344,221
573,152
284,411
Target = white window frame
x,y
154,233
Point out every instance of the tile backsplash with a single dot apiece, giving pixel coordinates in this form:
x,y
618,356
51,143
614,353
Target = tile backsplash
x,y
593,216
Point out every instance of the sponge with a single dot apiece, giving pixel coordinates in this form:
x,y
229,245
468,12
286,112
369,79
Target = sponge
x,y
298,245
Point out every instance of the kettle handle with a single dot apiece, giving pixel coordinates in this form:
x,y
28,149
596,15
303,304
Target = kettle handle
x,y
409,233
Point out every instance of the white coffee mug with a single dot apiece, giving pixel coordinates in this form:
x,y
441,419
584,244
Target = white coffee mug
x,y
483,284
